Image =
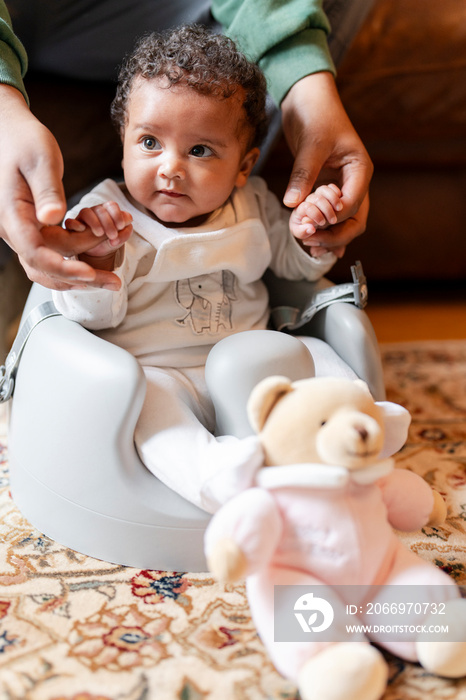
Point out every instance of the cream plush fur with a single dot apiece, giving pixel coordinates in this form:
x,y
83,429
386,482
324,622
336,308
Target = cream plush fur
x,y
322,511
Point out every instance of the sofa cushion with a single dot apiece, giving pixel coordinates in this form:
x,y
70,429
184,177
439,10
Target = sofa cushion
x,y
403,81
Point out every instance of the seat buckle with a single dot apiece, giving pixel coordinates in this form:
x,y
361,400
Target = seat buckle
x,y
355,292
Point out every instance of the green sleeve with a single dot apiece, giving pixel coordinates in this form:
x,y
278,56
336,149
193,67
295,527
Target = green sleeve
x,y
13,58
288,39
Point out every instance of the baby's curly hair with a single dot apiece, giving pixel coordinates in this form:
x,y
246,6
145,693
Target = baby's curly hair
x,y
208,63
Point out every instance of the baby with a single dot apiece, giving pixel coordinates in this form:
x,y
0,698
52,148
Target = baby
x,y
189,235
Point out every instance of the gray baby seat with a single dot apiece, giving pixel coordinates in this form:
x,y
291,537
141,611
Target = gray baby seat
x,y
75,473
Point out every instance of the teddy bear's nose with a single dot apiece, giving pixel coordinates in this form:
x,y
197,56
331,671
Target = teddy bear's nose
x,y
361,430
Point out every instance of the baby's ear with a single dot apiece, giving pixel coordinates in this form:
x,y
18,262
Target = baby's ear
x,y
263,398
246,166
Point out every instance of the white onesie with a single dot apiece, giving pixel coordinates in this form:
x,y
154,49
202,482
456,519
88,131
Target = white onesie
x,y
182,291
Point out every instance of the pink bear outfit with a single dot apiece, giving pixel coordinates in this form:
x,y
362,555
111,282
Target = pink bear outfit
x,y
309,524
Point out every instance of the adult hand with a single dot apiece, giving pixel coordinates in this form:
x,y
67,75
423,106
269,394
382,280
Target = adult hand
x,y
31,195
326,149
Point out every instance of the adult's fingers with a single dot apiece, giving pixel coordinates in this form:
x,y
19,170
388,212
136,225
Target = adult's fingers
x,y
44,177
356,174
69,274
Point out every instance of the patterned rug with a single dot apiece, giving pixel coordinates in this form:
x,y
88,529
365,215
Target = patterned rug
x,y
74,628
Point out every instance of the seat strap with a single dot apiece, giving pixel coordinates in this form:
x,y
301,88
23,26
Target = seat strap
x,y
9,369
290,318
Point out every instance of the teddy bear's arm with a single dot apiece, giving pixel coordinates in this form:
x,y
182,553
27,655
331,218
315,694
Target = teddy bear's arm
x,y
243,535
227,561
411,503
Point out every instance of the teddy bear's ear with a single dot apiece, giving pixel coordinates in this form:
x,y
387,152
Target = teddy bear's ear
x,y
363,385
263,398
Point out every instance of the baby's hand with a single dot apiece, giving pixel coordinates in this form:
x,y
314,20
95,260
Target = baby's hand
x,y
111,227
318,211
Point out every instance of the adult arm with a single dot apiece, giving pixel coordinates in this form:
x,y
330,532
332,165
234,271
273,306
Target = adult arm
x,y
326,149
31,190
289,42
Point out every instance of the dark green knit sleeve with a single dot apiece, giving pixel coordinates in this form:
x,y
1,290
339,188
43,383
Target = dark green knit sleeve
x,y
288,38
13,58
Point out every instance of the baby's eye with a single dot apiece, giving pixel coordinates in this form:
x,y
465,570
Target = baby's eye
x,y
150,143
201,151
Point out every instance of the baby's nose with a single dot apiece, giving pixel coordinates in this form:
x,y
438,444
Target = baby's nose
x,y
171,166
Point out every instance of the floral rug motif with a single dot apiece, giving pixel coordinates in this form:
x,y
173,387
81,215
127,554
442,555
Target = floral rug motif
x,y
75,628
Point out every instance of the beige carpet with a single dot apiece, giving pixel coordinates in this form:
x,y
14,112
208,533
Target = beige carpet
x,y
73,628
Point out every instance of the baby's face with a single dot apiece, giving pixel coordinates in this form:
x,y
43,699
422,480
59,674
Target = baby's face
x,y
183,152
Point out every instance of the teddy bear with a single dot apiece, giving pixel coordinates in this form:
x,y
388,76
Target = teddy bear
x,y
322,511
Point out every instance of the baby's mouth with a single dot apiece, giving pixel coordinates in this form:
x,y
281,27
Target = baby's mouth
x,y
171,193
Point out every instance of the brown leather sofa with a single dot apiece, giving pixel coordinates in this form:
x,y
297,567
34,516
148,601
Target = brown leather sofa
x,y
403,84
